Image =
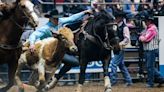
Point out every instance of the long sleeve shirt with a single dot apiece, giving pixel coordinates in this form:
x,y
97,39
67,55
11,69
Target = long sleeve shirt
x,y
150,37
45,31
126,35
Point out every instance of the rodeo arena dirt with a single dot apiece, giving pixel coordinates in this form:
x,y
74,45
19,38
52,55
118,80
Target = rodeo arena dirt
x,y
81,45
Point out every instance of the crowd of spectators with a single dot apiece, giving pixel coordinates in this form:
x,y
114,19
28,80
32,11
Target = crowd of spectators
x,y
129,6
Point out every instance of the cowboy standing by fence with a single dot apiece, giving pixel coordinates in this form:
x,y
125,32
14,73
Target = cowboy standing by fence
x,y
150,41
118,60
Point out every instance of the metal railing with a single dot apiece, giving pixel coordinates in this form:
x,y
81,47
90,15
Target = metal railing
x,y
82,3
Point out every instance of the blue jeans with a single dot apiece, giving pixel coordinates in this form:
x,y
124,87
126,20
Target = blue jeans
x,y
69,62
118,60
152,72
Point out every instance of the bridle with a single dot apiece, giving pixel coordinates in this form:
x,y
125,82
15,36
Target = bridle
x,y
93,38
108,41
106,44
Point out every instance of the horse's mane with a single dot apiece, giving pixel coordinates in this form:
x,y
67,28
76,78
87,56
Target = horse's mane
x,y
103,14
99,20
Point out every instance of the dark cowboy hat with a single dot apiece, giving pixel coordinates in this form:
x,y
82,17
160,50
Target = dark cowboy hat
x,y
119,13
53,14
148,16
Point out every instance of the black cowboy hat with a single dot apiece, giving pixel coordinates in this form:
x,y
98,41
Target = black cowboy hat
x,y
119,13
148,16
53,14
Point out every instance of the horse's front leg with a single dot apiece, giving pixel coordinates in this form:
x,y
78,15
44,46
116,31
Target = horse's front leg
x,y
83,66
107,83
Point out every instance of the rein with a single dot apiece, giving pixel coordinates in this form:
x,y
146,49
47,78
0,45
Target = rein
x,y
93,39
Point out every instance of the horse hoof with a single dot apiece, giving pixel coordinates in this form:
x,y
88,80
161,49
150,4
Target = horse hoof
x,y
108,90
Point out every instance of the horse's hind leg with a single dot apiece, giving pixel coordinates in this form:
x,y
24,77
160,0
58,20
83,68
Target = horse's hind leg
x,y
107,83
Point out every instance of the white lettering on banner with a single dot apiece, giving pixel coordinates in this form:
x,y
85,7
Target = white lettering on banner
x,y
99,63
92,67
90,64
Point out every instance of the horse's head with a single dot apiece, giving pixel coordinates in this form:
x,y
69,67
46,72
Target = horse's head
x,y
27,8
106,29
67,36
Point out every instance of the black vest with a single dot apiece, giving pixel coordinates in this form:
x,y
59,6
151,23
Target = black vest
x,y
120,31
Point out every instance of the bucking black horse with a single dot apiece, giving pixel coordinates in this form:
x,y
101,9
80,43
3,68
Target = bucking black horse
x,y
97,39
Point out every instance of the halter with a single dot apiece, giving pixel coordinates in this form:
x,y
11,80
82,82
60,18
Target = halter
x,y
93,39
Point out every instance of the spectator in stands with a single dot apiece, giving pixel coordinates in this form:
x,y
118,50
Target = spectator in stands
x,y
129,7
150,41
72,9
56,22
97,7
37,7
118,60
159,7
47,7
143,7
